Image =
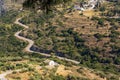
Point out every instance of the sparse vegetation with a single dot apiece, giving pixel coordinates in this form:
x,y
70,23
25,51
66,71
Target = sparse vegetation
x,y
93,41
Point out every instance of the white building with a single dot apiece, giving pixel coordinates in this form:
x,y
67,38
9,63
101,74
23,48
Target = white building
x,y
51,62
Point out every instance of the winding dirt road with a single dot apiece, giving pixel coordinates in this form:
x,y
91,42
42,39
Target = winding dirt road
x,y
31,43
23,38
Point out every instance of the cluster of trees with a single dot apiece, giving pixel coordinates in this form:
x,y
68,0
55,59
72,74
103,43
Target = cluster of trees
x,y
70,44
113,11
8,43
72,47
99,20
45,5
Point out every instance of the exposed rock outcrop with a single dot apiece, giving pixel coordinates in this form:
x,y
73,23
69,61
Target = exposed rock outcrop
x,y
13,4
2,7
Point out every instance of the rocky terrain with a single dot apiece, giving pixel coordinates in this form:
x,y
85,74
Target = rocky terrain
x,y
2,7
13,4
60,42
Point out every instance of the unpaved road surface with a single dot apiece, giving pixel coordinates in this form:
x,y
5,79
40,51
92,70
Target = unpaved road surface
x,y
31,43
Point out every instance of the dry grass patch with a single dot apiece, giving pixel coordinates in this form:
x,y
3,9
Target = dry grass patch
x,y
22,76
90,13
61,71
